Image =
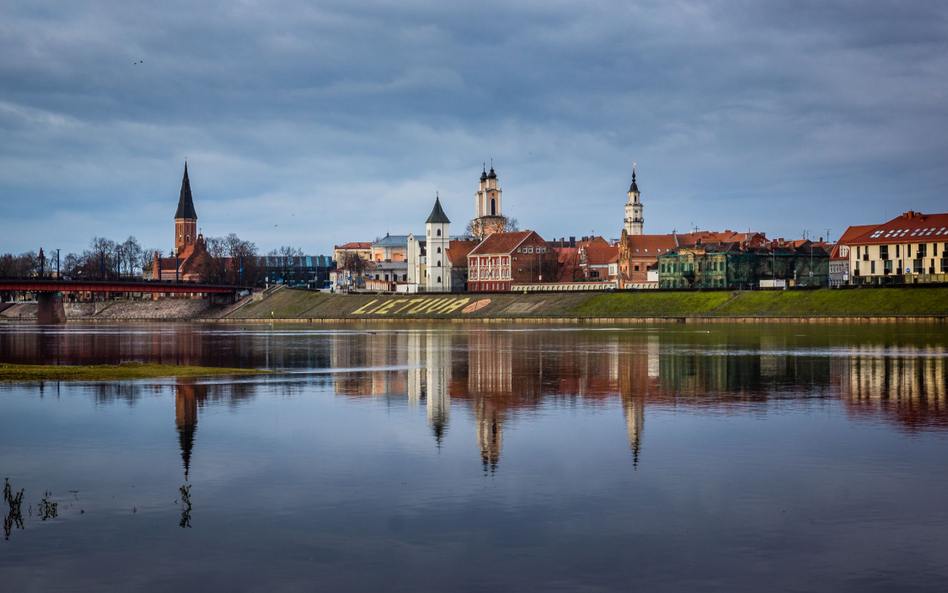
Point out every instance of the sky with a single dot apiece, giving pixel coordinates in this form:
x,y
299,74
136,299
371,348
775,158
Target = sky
x,y
312,124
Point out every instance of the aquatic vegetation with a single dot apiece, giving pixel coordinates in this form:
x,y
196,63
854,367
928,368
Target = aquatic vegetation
x,y
17,373
185,506
14,516
46,508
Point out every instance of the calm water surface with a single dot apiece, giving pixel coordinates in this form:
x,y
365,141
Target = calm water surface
x,y
482,458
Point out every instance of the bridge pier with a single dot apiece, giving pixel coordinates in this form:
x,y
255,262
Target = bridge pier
x,y
50,308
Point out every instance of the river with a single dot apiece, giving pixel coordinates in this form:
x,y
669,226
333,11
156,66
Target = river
x,y
481,458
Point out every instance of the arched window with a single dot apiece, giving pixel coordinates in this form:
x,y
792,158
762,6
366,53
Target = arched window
x,y
439,233
439,278
493,207
188,238
439,265
439,250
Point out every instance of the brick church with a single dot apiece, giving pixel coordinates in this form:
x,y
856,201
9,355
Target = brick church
x,y
190,261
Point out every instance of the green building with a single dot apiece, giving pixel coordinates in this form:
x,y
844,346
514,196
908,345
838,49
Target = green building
x,y
739,266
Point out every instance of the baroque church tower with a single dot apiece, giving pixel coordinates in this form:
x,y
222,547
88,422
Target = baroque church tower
x,y
438,239
488,214
185,219
633,210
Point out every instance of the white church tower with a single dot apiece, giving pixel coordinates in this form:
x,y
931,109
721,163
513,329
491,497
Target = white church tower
x,y
438,239
633,210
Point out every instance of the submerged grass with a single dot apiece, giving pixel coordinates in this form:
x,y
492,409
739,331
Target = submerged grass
x,y
18,373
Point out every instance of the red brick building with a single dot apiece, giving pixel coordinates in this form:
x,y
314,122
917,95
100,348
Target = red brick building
x,y
190,260
506,259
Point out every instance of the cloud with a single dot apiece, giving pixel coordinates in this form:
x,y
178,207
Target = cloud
x,y
348,117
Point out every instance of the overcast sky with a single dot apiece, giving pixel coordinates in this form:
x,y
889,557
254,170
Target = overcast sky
x,y
316,123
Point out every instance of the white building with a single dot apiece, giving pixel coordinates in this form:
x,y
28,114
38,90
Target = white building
x,y
634,221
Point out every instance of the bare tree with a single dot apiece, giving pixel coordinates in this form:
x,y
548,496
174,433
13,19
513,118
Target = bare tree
x,y
501,224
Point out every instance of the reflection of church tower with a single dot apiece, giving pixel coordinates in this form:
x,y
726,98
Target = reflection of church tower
x,y
634,421
490,434
186,398
633,386
185,218
415,370
438,375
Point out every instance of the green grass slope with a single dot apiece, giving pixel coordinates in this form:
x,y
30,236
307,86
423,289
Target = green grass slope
x,y
651,304
876,302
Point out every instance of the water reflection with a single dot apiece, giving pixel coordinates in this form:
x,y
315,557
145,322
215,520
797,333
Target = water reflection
x,y
908,387
501,376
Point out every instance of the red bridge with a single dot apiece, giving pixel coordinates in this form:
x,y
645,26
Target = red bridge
x,y
50,292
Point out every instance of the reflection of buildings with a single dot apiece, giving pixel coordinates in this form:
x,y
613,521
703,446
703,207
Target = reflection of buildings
x,y
501,375
438,375
911,388
186,398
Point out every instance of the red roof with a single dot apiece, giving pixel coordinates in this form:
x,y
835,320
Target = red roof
x,y
911,227
458,251
601,253
356,245
501,242
651,245
850,234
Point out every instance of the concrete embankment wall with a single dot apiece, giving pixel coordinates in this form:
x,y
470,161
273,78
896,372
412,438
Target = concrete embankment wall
x,y
162,309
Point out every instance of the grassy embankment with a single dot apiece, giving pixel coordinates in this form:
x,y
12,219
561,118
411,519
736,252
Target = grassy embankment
x,y
813,303
299,304
19,373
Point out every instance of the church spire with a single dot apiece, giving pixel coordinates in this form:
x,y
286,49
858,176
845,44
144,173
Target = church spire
x,y
437,215
185,202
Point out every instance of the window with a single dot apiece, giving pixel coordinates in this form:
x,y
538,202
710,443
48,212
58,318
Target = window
x,y
439,233
897,252
439,250
887,266
439,279
922,250
872,267
884,251
944,265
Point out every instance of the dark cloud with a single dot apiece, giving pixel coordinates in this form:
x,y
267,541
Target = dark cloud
x,y
338,120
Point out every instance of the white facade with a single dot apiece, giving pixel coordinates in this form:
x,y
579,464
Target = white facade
x,y
416,263
438,264
634,220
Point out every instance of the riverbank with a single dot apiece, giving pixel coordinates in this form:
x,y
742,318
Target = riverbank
x,y
890,303
927,304
25,373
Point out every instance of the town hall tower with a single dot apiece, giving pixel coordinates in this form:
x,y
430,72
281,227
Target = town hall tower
x,y
634,220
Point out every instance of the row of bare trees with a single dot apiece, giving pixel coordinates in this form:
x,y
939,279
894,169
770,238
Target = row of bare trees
x,y
105,259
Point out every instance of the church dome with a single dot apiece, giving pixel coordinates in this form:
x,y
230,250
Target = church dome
x,y
484,174
634,187
492,175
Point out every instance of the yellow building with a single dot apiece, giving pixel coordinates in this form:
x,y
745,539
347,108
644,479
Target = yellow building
x,y
911,248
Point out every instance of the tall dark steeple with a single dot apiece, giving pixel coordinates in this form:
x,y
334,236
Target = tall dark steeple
x,y
185,219
185,202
